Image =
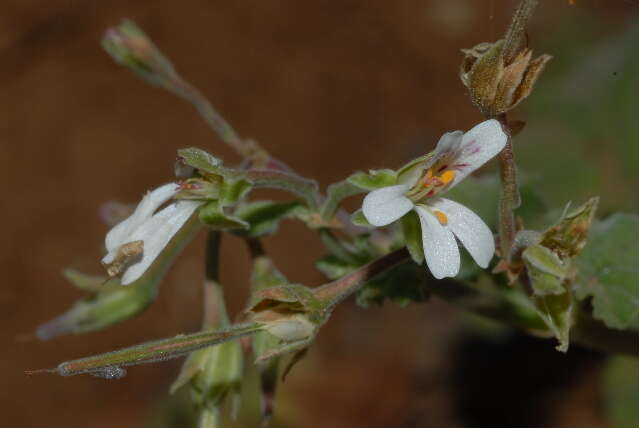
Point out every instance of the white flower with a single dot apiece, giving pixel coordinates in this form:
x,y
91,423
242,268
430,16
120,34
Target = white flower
x,y
133,244
442,220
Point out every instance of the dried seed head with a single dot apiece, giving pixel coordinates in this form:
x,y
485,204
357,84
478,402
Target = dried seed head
x,y
495,85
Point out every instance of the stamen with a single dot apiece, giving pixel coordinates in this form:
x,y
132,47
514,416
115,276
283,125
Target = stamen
x,y
447,176
443,219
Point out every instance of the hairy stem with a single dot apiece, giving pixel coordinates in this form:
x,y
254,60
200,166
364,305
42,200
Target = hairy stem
x,y
515,37
509,199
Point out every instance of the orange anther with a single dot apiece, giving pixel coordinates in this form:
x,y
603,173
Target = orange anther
x,y
443,219
447,176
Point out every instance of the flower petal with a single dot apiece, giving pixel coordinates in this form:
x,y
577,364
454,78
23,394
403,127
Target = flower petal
x,y
440,248
384,206
478,146
121,232
469,228
449,143
156,233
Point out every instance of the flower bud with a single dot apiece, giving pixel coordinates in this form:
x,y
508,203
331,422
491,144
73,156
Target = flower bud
x,y
129,46
198,189
110,305
214,373
495,85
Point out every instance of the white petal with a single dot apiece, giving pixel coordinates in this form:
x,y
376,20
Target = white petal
x,y
440,248
449,143
478,146
156,233
384,206
469,228
120,233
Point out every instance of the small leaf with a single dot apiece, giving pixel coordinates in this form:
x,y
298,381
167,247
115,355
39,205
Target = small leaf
x,y
374,179
608,271
335,194
212,215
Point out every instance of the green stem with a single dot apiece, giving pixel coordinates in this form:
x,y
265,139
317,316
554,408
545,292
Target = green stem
x,y
215,314
266,178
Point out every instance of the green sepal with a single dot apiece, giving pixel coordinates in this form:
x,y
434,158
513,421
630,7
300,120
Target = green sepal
x,y
264,216
213,215
232,190
358,219
557,311
214,373
374,179
546,271
201,160
412,231
414,169
83,281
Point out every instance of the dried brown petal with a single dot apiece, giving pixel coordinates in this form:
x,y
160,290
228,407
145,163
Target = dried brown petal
x,y
126,254
513,76
533,72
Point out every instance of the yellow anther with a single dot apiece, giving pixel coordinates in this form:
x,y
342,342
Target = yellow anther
x,y
443,220
447,176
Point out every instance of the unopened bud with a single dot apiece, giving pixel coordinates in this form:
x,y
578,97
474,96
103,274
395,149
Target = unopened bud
x,y
110,305
214,374
129,46
198,189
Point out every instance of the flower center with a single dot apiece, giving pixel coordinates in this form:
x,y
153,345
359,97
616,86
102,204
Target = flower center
x,y
433,182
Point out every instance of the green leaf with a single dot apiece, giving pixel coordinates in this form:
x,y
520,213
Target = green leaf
x,y
336,193
201,160
374,179
412,231
264,216
608,271
212,215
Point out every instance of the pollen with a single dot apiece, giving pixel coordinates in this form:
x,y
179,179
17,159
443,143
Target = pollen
x,y
443,219
447,176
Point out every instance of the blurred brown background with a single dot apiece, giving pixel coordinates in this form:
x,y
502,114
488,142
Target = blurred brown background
x,y
327,86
